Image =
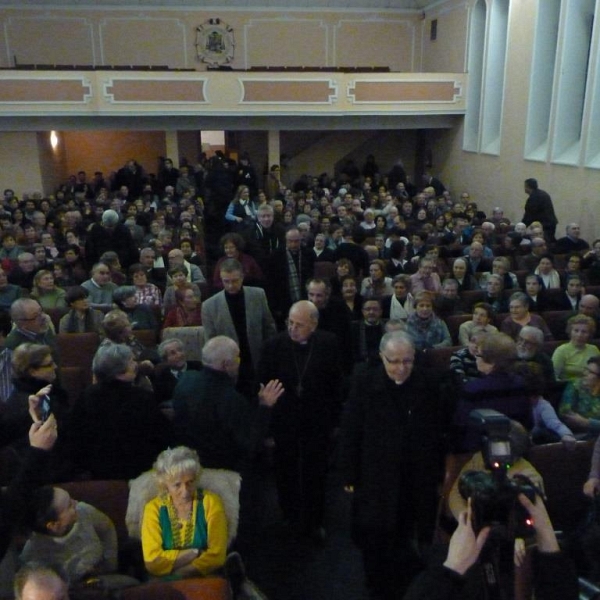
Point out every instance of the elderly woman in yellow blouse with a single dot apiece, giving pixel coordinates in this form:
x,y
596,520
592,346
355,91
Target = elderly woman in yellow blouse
x,y
570,359
184,529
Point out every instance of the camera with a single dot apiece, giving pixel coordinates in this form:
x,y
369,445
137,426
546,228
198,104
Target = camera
x,y
494,496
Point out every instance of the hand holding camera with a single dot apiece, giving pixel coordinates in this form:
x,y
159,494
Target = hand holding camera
x,y
544,532
465,546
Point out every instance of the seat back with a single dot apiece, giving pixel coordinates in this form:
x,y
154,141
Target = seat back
x,y
564,472
110,497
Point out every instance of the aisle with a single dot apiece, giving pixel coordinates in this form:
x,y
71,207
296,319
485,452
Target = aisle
x,y
287,567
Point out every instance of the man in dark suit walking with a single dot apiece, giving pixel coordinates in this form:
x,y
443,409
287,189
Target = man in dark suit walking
x,y
306,362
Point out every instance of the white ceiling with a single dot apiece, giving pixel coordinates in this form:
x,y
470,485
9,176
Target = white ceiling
x,y
282,4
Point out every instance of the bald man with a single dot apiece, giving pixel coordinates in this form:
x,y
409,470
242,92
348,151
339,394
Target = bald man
x,y
36,582
215,419
307,362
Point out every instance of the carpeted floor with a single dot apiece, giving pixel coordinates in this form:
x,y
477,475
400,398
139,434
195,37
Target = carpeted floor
x,y
288,567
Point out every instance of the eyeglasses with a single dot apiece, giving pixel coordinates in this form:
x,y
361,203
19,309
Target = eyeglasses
x,y
405,362
49,365
34,318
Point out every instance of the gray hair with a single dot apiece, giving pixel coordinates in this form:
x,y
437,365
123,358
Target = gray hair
x,y
231,265
25,256
393,338
218,350
146,250
42,576
110,217
174,462
265,208
519,297
535,332
123,292
162,348
19,306
97,266
110,361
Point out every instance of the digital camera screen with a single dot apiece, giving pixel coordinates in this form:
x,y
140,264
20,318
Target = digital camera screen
x,y
500,448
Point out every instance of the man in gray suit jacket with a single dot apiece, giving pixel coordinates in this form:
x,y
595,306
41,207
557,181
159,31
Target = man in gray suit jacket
x,y
242,314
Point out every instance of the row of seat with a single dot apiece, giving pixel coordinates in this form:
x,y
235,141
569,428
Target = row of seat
x,y
555,319
77,350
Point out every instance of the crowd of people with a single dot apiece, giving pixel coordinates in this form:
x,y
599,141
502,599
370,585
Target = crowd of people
x,y
320,303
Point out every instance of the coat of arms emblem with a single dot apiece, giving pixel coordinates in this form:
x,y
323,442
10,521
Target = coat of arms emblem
x,y
215,42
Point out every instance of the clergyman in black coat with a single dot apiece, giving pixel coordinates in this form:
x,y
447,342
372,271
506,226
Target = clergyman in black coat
x,y
391,462
306,361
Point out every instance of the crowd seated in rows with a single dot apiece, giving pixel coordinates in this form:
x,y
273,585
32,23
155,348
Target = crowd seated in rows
x,y
120,265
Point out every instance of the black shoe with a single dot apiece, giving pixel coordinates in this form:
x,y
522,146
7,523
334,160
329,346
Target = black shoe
x,y
235,571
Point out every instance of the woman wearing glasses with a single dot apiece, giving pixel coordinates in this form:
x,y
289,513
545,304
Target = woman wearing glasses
x,y
34,373
499,388
580,403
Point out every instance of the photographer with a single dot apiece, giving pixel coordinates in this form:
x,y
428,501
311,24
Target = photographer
x,y
13,500
519,441
458,578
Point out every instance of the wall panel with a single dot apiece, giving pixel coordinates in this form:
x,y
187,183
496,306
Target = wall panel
x,y
163,36
286,42
375,43
448,51
143,41
63,40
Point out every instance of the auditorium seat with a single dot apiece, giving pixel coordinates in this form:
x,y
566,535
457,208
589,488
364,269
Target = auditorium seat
x,y
564,473
324,269
557,322
454,322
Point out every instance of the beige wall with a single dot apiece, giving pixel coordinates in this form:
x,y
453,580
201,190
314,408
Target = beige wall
x,y
19,157
447,53
52,161
130,36
498,180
